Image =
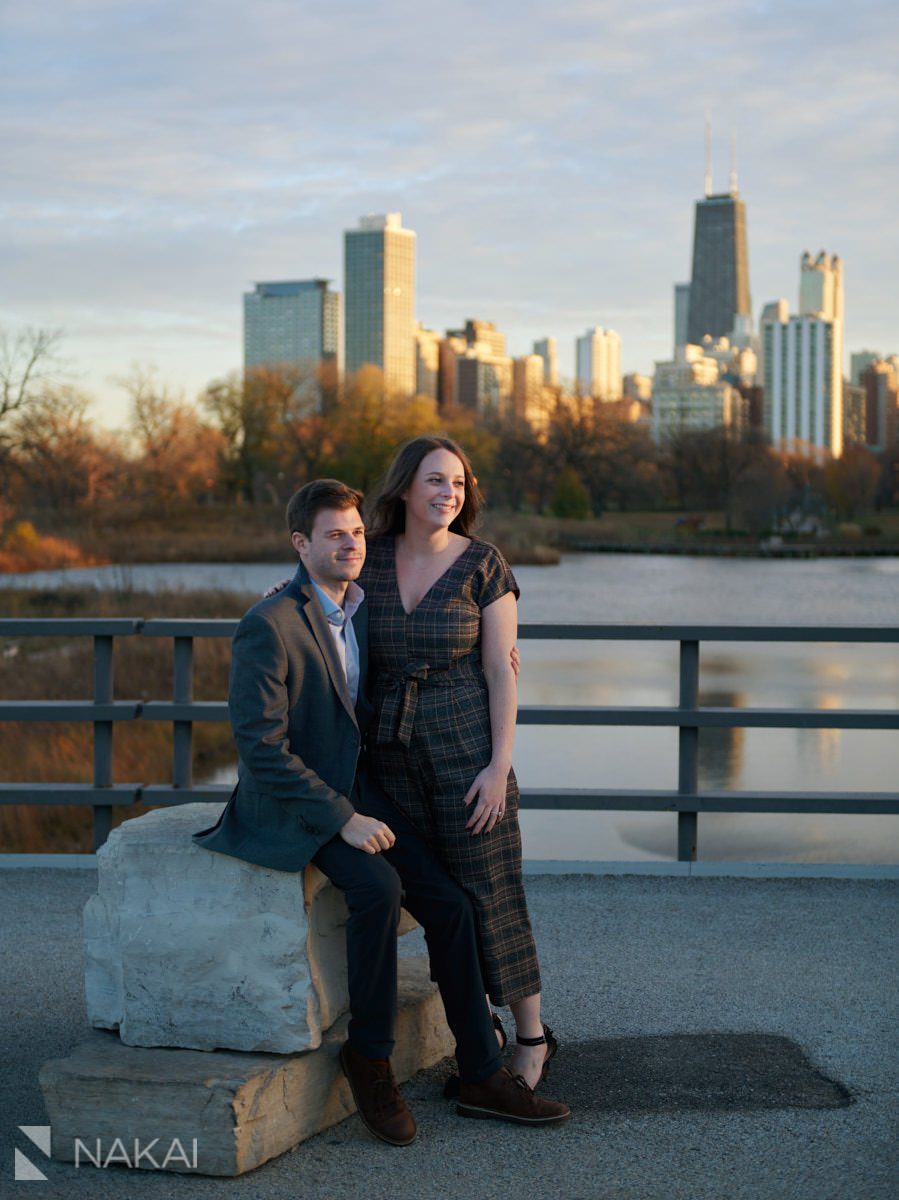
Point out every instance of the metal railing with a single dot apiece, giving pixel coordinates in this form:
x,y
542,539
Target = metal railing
x,y
688,717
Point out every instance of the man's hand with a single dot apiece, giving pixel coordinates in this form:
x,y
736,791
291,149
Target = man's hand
x,y
515,656
368,834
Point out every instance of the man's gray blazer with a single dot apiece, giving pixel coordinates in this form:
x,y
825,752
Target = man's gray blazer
x,y
297,732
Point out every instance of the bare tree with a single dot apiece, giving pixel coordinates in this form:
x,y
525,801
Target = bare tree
x,y
29,363
248,416
177,452
62,461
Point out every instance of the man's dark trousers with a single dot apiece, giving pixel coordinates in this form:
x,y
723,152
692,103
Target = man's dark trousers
x,y
375,885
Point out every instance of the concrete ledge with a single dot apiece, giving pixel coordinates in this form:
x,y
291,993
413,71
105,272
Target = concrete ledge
x,y
65,862
564,866
219,1112
789,870
738,870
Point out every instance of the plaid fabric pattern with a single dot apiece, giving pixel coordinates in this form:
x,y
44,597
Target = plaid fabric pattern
x,y
433,738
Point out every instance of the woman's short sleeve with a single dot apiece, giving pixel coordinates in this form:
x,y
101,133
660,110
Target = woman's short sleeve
x,y
495,577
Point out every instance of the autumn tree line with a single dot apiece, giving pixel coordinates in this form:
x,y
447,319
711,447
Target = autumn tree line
x,y
254,438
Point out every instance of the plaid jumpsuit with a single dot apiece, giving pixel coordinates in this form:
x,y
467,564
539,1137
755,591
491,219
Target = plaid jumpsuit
x,y
431,737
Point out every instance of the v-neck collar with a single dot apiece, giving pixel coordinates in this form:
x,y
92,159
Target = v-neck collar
x,y
442,575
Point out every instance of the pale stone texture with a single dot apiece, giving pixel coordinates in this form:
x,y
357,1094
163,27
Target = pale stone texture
x,y
185,947
243,1109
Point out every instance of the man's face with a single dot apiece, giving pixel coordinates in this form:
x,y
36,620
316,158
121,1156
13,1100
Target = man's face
x,y
335,550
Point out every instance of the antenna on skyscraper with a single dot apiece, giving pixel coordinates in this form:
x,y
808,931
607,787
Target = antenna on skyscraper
x,y
708,155
733,164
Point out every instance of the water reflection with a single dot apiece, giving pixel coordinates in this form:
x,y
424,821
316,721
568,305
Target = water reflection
x,y
775,760
720,749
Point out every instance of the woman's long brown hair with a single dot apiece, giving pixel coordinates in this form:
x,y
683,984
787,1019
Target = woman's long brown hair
x,y
388,513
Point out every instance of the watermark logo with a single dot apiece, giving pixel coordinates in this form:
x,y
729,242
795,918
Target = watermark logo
x,y
154,1155
24,1167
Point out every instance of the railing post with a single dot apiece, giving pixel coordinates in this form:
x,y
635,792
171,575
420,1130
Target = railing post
x,y
182,749
688,751
103,694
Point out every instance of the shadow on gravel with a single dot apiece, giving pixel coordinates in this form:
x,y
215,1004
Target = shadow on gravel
x,y
714,1072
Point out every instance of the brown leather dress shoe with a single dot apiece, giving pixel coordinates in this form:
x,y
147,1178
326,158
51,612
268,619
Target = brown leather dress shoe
x,y
506,1097
381,1106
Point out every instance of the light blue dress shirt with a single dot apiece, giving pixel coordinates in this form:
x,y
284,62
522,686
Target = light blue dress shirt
x,y
341,622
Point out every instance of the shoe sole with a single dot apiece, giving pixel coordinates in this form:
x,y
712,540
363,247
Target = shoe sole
x,y
371,1129
492,1114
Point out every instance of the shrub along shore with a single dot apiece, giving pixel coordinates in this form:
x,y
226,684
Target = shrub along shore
x,y
255,533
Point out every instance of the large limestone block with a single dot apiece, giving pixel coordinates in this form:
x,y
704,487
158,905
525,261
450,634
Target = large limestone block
x,y
189,948
221,1113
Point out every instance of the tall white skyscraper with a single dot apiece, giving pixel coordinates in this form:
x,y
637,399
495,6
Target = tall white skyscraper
x,y
599,364
803,381
821,286
803,362
379,263
291,323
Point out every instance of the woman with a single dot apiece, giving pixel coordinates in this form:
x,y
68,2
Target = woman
x,y
442,625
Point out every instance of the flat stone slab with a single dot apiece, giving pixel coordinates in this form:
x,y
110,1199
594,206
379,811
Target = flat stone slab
x,y
188,948
221,1112
681,1072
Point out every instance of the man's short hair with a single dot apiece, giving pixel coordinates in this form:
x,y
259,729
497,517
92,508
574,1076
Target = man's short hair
x,y
305,505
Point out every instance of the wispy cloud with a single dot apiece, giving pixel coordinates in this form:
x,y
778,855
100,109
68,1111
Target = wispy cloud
x,y
161,156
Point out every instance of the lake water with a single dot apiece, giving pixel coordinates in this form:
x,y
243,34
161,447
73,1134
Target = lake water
x,y
675,589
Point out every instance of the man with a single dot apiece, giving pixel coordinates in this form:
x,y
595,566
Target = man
x,y
299,711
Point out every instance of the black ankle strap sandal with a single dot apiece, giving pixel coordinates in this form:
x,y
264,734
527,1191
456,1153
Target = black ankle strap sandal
x,y
546,1039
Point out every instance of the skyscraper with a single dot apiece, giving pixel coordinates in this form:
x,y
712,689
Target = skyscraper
x,y
821,286
859,363
379,266
881,385
719,287
599,364
681,313
803,381
548,351
803,362
427,360
294,322
528,376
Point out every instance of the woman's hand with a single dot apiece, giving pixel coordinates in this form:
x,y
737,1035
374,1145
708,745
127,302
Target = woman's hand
x,y
275,588
490,788
516,660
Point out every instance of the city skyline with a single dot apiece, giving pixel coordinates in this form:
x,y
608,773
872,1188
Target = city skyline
x,y
551,185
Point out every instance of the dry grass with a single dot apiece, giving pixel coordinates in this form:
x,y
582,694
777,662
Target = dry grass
x,y
212,533
42,668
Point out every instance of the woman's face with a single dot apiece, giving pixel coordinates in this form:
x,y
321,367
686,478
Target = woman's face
x,y
437,492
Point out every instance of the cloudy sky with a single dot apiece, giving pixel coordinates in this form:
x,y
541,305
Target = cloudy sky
x,y
161,156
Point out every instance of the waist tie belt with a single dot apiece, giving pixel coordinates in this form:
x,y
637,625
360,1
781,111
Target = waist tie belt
x,y
401,695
